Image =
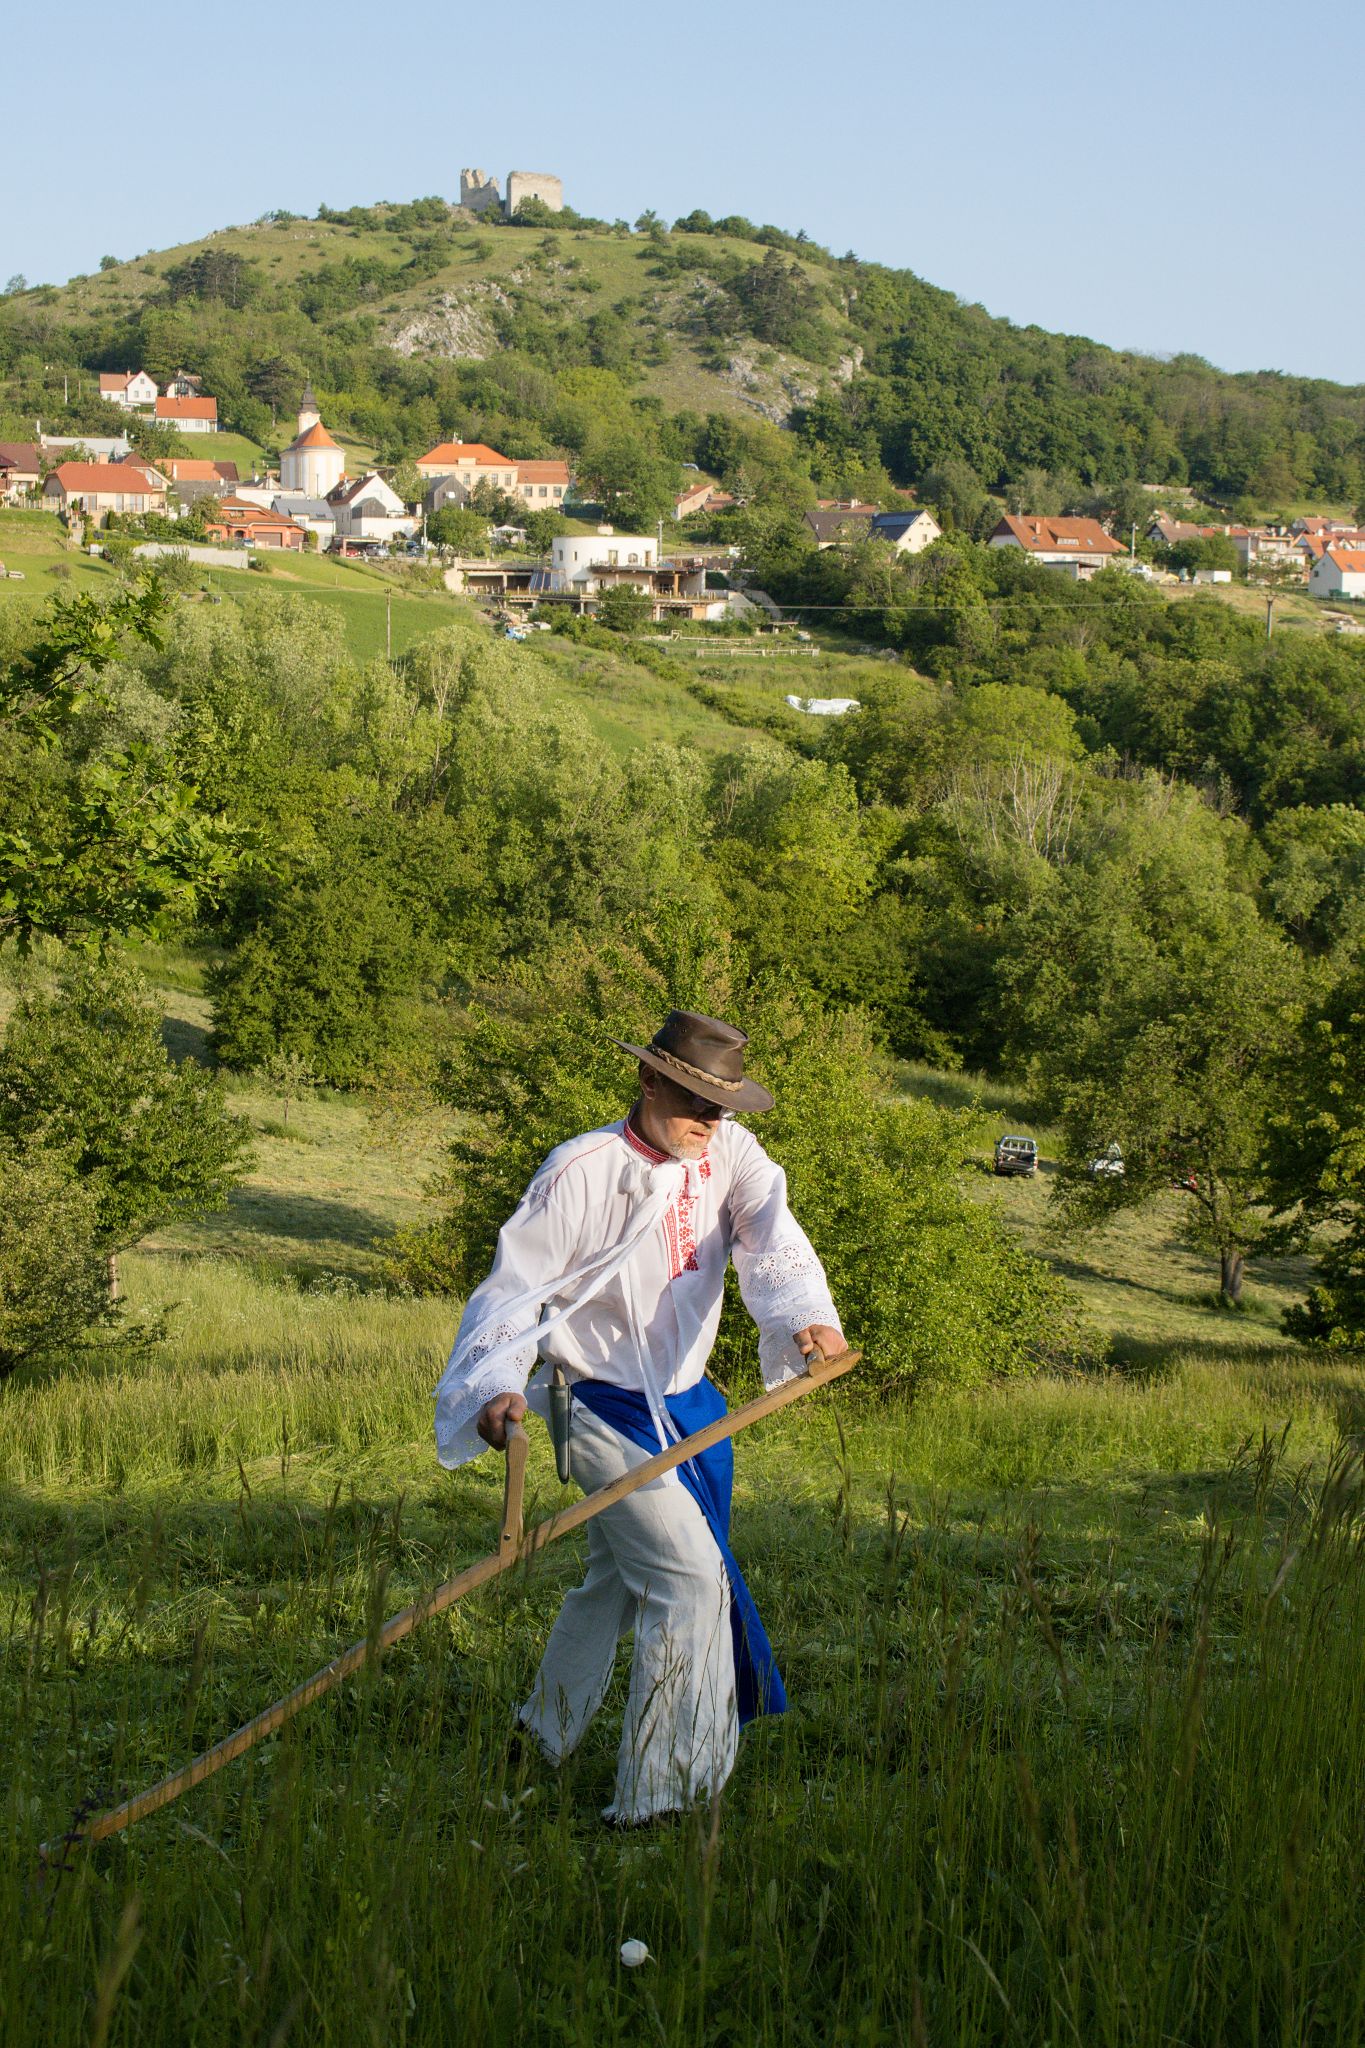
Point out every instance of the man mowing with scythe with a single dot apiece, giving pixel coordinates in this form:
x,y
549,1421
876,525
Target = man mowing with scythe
x,y
611,1272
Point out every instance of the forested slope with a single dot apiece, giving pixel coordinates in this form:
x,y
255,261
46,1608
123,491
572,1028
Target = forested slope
x,y
635,350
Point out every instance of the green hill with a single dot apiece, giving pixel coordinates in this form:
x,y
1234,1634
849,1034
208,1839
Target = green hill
x,y
639,350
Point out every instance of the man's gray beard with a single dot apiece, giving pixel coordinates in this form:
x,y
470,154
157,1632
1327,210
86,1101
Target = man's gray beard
x,y
687,1149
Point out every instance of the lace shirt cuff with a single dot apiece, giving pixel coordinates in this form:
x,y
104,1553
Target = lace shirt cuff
x,y
785,1290
465,1388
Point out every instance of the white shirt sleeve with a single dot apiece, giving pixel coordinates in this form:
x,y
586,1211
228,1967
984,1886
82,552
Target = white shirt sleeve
x,y
536,1248
781,1279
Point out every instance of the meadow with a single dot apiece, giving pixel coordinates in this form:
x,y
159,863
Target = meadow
x,y
1076,1751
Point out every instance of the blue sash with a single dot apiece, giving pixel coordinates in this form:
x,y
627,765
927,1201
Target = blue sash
x,y
709,1478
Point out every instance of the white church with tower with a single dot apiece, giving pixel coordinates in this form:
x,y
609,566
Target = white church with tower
x,y
312,465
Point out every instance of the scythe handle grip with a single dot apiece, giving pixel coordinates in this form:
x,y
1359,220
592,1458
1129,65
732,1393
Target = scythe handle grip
x,y
518,1445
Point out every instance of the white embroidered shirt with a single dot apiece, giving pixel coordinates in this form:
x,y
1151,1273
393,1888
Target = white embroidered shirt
x,y
614,1263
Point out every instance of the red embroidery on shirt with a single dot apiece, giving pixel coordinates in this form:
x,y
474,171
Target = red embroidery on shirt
x,y
637,1144
680,1227
679,1223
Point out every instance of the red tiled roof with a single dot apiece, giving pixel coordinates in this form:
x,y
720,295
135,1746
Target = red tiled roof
x,y
18,455
1058,536
110,478
116,380
466,451
1352,560
316,436
236,512
184,469
538,472
187,408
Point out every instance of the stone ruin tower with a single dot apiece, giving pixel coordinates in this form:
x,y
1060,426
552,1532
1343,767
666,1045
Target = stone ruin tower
x,y
479,192
541,185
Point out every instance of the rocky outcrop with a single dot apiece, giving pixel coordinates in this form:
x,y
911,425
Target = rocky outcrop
x,y
456,324
773,389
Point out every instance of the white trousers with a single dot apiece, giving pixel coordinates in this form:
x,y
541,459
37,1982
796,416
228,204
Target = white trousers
x,y
653,1566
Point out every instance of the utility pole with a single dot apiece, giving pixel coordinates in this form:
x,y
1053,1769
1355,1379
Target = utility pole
x,y
1269,613
388,625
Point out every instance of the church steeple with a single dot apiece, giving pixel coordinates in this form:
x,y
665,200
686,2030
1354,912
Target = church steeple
x,y
308,409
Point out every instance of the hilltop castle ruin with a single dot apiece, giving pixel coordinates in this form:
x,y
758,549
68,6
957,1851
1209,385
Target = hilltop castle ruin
x,y
480,193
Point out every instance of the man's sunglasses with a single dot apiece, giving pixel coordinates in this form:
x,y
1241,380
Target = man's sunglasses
x,y
699,1106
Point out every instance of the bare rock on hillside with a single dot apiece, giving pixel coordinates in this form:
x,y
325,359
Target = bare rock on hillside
x,y
455,324
774,388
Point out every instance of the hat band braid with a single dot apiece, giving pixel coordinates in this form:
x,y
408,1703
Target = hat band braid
x,y
698,1073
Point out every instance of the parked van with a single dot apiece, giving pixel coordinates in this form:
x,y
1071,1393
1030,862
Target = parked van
x,y
1016,1156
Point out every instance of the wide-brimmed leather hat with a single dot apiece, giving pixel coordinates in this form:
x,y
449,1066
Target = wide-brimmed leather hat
x,y
704,1056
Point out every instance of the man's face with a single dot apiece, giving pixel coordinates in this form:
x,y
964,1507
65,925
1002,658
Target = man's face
x,y
673,1119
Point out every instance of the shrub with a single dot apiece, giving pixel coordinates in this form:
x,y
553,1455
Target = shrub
x,y
84,1071
928,1282
334,969
52,1271
624,610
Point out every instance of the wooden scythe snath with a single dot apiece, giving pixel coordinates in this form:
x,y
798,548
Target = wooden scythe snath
x,y
514,1545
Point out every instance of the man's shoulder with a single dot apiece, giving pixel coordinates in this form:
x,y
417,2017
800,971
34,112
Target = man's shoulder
x,y
576,1153
736,1147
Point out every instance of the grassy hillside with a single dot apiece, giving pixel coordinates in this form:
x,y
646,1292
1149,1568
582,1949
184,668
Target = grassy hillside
x,y
1044,1642
448,313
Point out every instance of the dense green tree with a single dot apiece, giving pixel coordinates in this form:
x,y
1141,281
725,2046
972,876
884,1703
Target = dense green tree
x,y
625,609
954,490
542,529
1167,1044
84,1071
337,961
1316,1154
458,530
112,844
630,479
53,1273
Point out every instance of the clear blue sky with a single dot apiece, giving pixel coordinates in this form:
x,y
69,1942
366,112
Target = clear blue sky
x,y
1147,176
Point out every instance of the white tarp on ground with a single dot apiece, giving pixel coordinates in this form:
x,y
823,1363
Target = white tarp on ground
x,y
825,707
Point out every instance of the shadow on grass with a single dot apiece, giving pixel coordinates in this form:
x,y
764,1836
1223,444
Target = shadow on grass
x,y
185,1040
307,1219
1156,1357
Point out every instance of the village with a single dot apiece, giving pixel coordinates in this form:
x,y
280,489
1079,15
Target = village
x,y
317,498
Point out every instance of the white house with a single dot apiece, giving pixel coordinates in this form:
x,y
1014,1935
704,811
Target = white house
x,y
312,465
1266,547
1340,572
908,532
132,389
463,465
189,415
85,447
98,488
369,509
544,485
314,515
1078,546
577,558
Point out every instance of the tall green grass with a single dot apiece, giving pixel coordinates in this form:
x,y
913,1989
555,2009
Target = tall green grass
x,y
1077,1750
